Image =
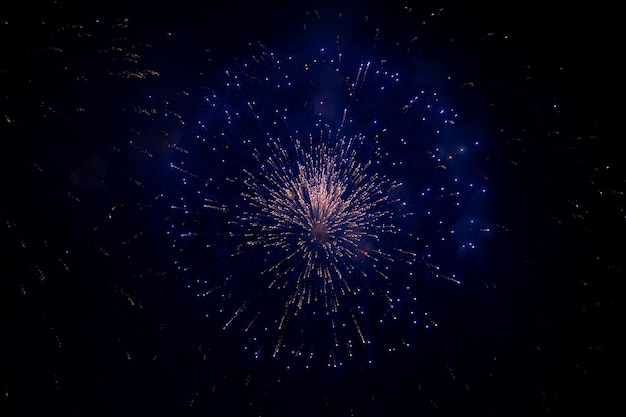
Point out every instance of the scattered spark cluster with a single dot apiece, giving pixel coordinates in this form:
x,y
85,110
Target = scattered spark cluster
x,y
316,204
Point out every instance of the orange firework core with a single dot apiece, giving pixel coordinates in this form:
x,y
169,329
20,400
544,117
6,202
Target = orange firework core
x,y
319,232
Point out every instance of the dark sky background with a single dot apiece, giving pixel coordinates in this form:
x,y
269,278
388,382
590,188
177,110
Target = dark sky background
x,y
95,318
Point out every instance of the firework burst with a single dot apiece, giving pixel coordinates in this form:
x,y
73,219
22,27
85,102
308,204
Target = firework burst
x,y
324,216
293,220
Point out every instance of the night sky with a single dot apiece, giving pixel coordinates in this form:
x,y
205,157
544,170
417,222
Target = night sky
x,y
144,275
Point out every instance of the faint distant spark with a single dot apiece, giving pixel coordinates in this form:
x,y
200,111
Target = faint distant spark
x,y
326,213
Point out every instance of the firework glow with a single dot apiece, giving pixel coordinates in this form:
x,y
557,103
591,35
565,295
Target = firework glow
x,y
323,215
320,254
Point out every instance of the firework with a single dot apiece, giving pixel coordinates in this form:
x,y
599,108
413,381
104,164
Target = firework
x,y
310,218
319,221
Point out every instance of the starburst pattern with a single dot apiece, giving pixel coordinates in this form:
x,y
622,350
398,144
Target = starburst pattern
x,y
294,222
325,216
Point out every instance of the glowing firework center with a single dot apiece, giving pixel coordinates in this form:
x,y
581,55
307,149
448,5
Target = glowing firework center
x,y
321,213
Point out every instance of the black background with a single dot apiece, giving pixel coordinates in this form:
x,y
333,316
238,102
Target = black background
x,y
87,334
